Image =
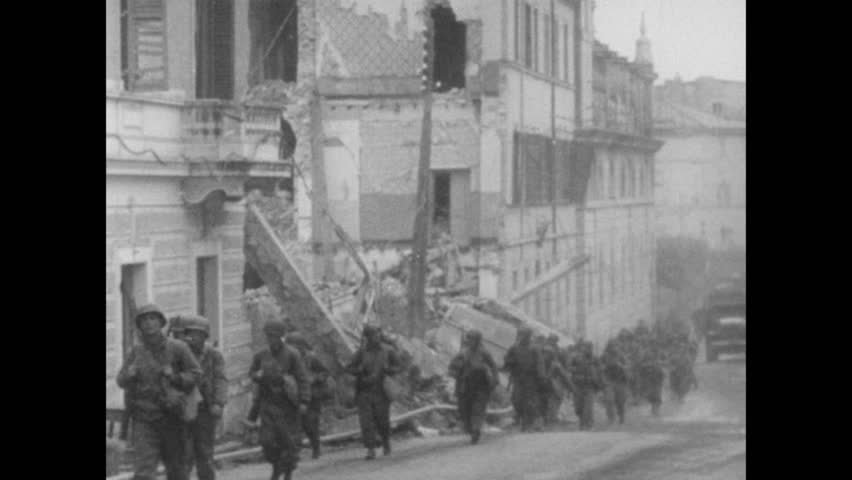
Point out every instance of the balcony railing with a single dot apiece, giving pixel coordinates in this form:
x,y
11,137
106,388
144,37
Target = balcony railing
x,y
163,129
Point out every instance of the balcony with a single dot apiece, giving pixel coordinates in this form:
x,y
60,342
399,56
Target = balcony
x,y
195,137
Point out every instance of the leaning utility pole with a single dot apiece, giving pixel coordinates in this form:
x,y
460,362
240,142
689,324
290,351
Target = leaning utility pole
x,y
417,278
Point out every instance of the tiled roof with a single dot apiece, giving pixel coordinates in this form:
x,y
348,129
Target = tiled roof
x,y
364,43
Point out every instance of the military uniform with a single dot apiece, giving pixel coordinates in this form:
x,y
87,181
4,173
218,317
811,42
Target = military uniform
x,y
526,368
475,373
652,376
587,381
154,373
370,365
213,386
615,385
317,377
283,387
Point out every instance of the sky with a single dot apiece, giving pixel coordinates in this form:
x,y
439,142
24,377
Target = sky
x,y
692,38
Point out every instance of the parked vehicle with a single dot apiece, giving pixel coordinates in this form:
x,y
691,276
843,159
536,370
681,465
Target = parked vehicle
x,y
722,320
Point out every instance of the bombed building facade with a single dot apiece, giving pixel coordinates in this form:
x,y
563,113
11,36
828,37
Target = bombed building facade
x,y
542,155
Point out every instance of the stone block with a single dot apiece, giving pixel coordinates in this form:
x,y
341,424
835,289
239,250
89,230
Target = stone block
x,y
170,248
173,298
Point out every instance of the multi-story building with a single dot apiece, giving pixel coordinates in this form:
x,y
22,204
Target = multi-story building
x,y
542,155
701,170
518,131
181,151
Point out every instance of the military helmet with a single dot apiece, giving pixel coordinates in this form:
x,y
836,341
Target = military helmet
x,y
148,310
275,328
176,324
298,340
196,322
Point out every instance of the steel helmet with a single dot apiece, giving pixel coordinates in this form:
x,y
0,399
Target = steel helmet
x,y
150,309
196,322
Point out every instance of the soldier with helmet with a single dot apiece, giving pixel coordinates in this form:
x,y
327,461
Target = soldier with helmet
x,y
370,365
157,373
475,373
526,369
318,375
283,397
651,377
587,381
213,386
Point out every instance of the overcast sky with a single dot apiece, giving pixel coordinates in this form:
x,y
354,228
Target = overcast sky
x,y
689,37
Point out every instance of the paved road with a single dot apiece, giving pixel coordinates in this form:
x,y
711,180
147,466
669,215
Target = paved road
x,y
702,439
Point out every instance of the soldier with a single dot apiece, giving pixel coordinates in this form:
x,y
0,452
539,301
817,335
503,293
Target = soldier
x,y
587,381
526,370
476,376
682,376
370,365
157,372
283,396
558,380
213,386
176,327
615,383
317,377
651,380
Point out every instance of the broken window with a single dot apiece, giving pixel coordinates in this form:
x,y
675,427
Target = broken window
x,y
143,45
251,279
214,49
450,50
273,26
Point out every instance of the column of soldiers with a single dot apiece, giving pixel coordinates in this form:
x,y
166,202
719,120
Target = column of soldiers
x,y
633,365
292,383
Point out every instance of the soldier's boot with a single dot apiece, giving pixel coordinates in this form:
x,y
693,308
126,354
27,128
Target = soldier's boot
x,y
386,446
474,437
371,454
316,452
276,472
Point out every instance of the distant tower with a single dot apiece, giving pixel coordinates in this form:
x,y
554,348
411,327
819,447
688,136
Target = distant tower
x,y
643,46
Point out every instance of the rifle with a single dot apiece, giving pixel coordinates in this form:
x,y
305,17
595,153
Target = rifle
x,y
127,416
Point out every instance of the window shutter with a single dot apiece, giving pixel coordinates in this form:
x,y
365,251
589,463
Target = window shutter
x,y
146,49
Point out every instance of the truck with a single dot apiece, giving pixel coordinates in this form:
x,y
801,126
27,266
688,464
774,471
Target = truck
x,y
721,320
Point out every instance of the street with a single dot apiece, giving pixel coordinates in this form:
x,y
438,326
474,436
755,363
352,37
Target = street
x,y
702,439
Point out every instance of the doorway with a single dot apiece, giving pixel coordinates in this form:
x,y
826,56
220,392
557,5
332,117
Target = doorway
x,y
207,293
134,293
450,198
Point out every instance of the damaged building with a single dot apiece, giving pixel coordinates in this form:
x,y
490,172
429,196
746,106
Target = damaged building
x,y
545,188
541,164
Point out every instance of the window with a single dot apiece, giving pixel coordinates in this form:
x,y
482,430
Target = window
x,y
528,36
566,53
517,169
143,44
562,172
535,37
214,49
717,108
622,170
547,45
519,51
273,27
207,293
514,280
450,50
612,188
